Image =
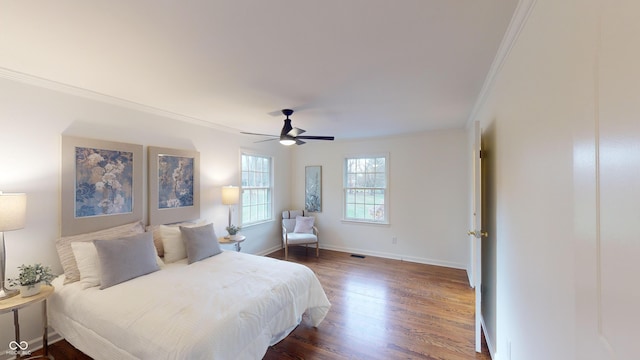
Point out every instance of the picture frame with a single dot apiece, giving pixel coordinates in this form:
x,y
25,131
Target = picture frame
x,y
101,184
174,185
313,188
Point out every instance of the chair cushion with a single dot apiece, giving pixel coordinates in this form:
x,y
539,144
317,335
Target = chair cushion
x,y
300,238
304,224
289,224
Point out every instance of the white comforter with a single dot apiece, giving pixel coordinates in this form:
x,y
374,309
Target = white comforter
x,y
230,306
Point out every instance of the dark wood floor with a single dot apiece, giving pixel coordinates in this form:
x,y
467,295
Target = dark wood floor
x,y
381,309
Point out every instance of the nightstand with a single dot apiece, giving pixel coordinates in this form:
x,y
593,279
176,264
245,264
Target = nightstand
x,y
237,240
16,303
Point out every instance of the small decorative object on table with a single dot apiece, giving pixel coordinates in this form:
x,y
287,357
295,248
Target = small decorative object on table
x,y
233,231
31,278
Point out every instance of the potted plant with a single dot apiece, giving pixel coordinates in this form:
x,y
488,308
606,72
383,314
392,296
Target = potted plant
x,y
31,278
233,230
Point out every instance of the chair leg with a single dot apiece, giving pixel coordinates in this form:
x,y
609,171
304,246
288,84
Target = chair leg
x,y
317,250
286,251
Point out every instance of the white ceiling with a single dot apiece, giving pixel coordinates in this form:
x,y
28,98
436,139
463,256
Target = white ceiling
x,y
349,68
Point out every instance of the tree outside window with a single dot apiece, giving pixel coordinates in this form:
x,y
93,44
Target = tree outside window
x,y
365,189
257,204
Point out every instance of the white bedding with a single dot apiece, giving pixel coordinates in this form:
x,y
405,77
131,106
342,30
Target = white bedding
x,y
229,306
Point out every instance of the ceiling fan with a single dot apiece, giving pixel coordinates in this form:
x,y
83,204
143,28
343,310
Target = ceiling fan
x,y
290,135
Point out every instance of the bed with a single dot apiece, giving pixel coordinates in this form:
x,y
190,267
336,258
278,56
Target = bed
x,y
228,306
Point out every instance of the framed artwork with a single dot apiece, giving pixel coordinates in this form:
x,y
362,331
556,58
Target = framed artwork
x,y
313,188
174,185
101,184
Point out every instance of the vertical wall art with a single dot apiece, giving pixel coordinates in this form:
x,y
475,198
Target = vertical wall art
x,y
104,182
174,185
313,188
101,184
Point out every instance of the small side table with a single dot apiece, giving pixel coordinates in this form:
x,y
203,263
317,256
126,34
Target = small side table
x,y
16,303
237,240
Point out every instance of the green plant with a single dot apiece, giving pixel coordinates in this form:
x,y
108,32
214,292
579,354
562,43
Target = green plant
x,y
233,229
30,275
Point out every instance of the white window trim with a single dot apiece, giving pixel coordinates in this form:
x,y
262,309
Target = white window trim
x,y
242,188
386,220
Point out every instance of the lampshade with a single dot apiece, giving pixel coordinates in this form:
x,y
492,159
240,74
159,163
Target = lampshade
x,y
13,211
230,195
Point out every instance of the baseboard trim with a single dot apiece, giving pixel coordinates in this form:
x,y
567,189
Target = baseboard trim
x,y
269,250
492,351
386,255
379,254
471,284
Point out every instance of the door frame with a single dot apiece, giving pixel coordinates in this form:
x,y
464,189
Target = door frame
x,y
476,233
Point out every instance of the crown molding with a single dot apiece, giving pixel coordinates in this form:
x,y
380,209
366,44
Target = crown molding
x,y
112,100
517,23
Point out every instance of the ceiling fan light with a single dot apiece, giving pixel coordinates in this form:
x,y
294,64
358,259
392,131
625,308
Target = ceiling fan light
x,y
287,142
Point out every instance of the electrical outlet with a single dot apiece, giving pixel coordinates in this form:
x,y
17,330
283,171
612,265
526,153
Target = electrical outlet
x,y
394,240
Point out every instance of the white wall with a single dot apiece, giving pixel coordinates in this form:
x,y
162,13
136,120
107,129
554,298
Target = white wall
x,y
428,180
531,110
32,121
563,117
427,194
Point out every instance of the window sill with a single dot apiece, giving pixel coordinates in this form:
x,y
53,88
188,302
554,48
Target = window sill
x,y
257,224
364,222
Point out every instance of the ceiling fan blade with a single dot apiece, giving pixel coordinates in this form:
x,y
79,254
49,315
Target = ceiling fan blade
x,y
275,113
250,133
259,141
295,132
289,133
316,137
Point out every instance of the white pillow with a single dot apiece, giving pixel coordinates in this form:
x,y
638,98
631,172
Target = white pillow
x,y
88,263
304,224
157,239
172,242
68,261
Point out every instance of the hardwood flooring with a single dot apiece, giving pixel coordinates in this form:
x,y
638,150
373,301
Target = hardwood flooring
x,y
381,309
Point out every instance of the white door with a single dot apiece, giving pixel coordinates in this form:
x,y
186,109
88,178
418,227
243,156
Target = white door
x,y
475,234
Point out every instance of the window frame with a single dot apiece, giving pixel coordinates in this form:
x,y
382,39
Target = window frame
x,y
243,188
346,188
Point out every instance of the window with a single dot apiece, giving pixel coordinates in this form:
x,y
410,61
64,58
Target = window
x,y
365,189
257,205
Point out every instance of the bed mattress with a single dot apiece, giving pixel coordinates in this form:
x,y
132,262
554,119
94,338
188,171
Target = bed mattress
x,y
229,306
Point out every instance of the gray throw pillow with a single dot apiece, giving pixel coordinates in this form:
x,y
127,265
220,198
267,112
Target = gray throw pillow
x,y
126,258
201,242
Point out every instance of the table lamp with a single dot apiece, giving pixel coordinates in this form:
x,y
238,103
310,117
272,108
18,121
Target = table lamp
x,y
13,211
230,196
